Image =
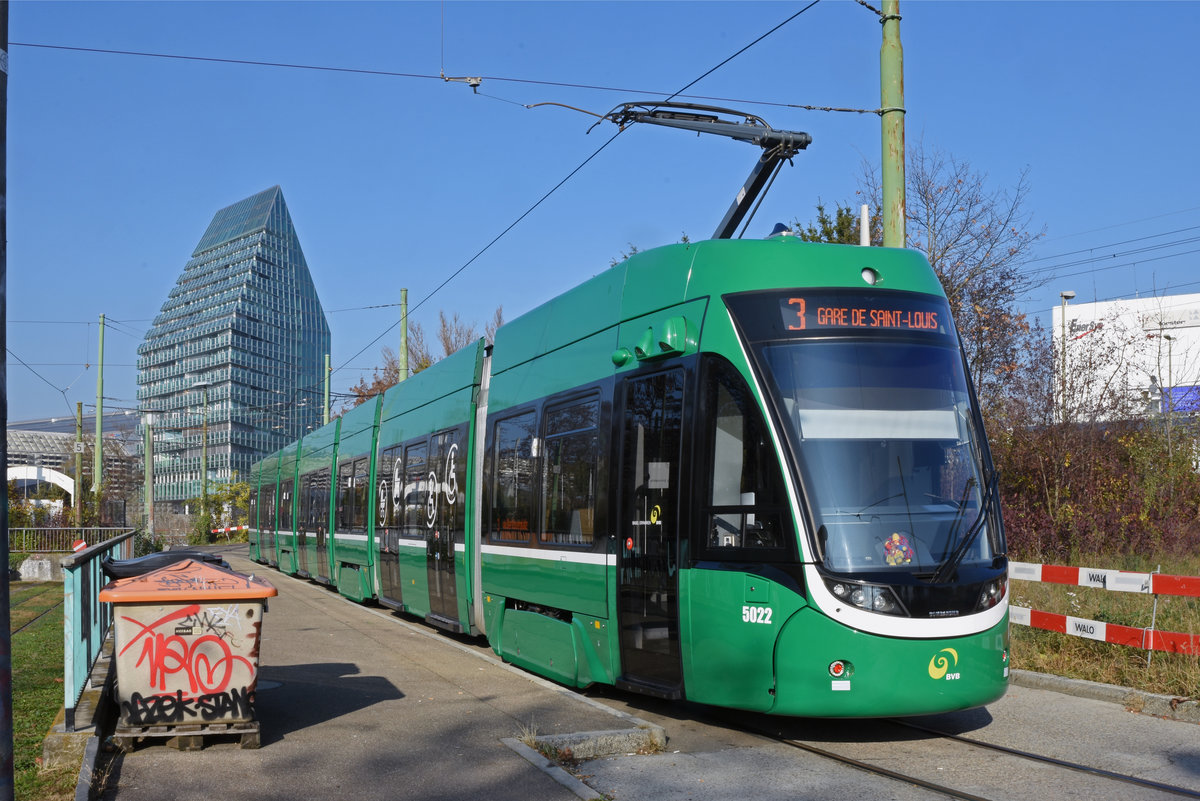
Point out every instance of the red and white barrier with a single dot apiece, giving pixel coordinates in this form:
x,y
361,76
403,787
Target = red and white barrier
x,y
1116,580
229,529
1148,639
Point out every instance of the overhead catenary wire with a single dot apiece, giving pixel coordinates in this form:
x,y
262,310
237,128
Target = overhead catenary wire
x,y
383,73
60,390
492,78
1112,244
1099,257
555,188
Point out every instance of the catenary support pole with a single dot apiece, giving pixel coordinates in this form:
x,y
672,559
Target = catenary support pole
x,y
148,475
98,459
402,356
891,89
6,718
325,416
79,463
204,457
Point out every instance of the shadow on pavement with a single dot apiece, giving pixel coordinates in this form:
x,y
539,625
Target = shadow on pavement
x,y
291,698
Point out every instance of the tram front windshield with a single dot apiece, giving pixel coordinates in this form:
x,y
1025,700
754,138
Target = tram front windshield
x,y
885,437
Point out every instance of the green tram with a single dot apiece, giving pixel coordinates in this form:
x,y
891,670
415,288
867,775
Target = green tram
x,y
749,473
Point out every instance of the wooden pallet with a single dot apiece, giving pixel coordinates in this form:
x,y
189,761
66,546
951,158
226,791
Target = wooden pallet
x,y
188,737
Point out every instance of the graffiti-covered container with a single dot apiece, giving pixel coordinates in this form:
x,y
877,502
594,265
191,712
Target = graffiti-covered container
x,y
186,645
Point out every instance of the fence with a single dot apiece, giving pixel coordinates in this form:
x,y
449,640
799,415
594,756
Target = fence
x,y
1155,584
86,621
56,540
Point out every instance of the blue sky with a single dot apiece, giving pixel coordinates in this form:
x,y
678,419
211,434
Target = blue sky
x,y
117,163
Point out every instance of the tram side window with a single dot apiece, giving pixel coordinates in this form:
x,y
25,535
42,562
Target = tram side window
x,y
314,501
416,489
320,500
570,472
747,500
449,468
306,502
387,491
285,505
362,486
513,477
269,509
345,495
253,509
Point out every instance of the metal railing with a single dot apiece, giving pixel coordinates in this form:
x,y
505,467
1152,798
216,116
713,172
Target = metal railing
x,y
57,540
86,621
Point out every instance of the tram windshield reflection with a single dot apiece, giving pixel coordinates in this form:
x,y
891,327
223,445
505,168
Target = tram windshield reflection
x,y
888,450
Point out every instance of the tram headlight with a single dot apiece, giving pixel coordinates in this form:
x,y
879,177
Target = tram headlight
x,y
866,596
991,594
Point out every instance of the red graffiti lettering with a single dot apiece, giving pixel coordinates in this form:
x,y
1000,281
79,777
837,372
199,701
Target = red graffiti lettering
x,y
206,662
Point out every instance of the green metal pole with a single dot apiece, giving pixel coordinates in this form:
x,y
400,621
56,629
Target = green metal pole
x,y
98,463
891,88
204,458
7,786
79,463
148,475
402,357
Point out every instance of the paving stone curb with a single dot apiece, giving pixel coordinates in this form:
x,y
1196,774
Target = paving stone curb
x,y
1186,710
550,769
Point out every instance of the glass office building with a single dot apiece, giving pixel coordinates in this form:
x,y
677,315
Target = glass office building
x,y
238,350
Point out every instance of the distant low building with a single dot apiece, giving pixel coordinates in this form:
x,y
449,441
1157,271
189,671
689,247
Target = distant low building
x,y
48,457
1153,344
120,422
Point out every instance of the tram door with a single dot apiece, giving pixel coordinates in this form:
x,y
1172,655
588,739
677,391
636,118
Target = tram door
x,y
444,523
648,580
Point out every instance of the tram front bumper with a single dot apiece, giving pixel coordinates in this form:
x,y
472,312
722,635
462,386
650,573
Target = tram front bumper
x,y
823,669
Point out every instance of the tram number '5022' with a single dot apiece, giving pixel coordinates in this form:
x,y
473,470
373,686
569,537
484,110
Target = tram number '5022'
x,y
756,614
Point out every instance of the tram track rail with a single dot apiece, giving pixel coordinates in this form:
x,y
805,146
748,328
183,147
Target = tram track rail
x,y
31,599
40,615
1055,761
940,787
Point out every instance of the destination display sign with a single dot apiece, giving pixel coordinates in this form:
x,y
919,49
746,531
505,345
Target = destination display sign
x,y
826,312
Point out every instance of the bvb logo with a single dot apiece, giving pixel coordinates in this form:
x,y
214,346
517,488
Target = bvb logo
x,y
654,514
940,664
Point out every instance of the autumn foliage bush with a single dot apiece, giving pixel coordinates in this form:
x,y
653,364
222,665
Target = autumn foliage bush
x,y
1117,488
1089,465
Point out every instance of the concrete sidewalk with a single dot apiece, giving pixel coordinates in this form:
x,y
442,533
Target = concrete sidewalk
x,y
357,703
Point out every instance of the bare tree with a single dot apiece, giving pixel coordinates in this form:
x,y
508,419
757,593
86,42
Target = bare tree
x,y
497,320
453,334
977,238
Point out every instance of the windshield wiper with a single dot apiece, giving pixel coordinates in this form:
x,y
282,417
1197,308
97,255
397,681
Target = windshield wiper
x,y
951,564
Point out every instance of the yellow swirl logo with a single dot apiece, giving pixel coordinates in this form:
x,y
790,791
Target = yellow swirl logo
x,y
940,664
654,513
